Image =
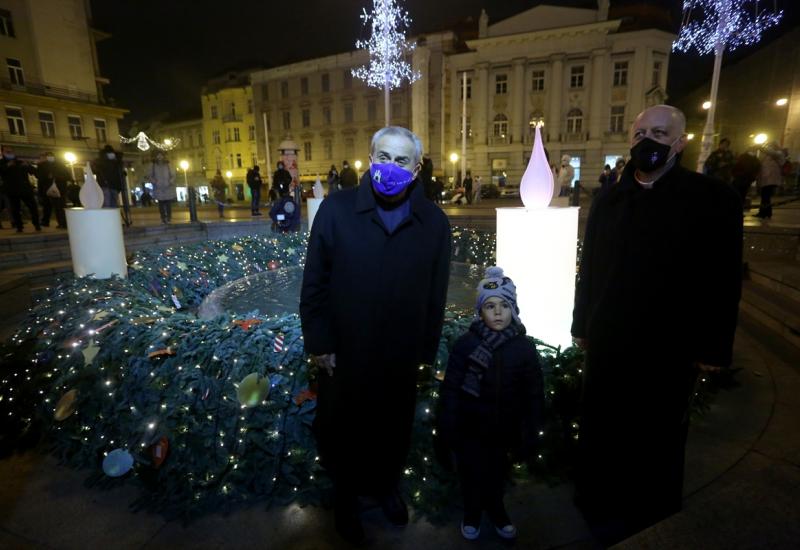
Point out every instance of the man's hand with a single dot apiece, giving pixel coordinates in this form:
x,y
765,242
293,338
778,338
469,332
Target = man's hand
x,y
326,361
707,368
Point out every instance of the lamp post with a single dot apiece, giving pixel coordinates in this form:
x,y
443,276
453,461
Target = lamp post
x,y
191,195
454,160
71,160
357,164
184,164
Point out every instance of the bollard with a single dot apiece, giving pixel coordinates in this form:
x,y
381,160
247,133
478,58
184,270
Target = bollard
x,y
192,199
575,198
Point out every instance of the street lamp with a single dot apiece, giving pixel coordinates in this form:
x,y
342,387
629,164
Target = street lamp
x,y
454,160
690,136
760,139
782,102
71,160
184,164
358,165
706,105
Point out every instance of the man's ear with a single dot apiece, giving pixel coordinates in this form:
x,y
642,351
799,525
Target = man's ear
x,y
417,169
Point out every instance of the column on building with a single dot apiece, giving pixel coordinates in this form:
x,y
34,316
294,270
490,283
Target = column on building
x,y
598,108
453,131
420,62
555,95
480,90
518,118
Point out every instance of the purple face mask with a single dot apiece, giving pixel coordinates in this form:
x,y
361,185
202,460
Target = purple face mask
x,y
389,179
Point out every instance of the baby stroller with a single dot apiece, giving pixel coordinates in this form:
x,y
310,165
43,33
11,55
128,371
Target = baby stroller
x,y
285,215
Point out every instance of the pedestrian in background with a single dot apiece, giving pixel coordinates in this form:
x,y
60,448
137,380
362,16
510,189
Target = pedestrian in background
x,y
52,177
745,171
478,183
163,179
15,175
616,173
720,162
254,183
769,177
605,178
348,178
110,176
281,181
565,176
219,188
333,180
468,187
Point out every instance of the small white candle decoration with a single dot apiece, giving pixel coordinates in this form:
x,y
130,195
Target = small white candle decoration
x,y
91,195
536,188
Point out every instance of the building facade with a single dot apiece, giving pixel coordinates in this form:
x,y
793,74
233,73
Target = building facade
x,y
759,95
51,91
582,73
229,131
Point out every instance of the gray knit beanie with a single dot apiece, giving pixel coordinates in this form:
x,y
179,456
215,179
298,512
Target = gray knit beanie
x,y
496,284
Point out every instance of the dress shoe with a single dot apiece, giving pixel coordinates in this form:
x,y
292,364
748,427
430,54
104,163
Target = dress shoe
x,y
394,508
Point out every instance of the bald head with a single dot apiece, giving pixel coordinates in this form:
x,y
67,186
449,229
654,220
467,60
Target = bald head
x,y
662,123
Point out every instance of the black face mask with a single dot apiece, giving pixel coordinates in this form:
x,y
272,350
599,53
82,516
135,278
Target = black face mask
x,y
649,155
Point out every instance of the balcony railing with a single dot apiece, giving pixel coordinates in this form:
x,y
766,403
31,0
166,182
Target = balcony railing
x,y
500,140
231,118
53,142
39,88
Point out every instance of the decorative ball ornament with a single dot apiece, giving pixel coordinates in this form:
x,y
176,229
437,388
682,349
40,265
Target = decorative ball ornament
x,y
66,405
272,265
159,451
90,194
253,389
117,463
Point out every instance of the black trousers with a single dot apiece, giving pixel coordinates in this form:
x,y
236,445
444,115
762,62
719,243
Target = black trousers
x,y
165,209
482,472
765,211
47,209
16,209
57,207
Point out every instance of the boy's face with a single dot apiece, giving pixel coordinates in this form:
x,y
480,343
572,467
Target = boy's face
x,y
496,313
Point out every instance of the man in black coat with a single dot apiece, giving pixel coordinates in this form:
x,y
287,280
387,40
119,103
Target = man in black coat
x,y
111,176
348,178
656,304
372,307
281,181
51,171
254,183
17,187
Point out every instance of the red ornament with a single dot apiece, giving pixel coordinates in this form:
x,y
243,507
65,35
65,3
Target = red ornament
x,y
245,324
273,265
303,396
158,452
277,346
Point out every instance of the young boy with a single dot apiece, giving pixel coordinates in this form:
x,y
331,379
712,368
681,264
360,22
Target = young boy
x,y
492,402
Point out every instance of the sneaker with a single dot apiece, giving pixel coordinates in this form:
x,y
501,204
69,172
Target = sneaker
x,y
507,532
470,532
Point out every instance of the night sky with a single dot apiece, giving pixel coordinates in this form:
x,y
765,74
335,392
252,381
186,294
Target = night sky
x,y
162,51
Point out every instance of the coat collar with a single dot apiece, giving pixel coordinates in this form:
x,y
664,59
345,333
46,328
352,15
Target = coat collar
x,y
628,180
365,199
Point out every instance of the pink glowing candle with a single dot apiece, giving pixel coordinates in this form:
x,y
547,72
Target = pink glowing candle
x,y
536,188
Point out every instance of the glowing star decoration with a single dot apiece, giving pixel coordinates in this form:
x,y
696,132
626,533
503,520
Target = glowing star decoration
x,y
90,194
143,142
253,389
89,353
387,47
182,266
536,188
222,258
712,26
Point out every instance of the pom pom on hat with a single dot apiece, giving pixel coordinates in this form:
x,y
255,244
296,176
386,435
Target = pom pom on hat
x,y
496,284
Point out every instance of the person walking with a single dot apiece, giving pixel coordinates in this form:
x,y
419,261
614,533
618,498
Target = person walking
x,y
254,183
745,171
111,176
719,163
53,177
163,179
348,177
467,184
219,188
605,178
478,184
15,175
656,304
333,180
769,177
565,176
385,249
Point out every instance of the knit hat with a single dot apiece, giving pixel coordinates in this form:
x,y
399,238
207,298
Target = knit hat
x,y
496,284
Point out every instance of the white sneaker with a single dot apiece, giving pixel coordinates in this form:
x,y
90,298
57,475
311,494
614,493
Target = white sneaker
x,y
507,532
469,532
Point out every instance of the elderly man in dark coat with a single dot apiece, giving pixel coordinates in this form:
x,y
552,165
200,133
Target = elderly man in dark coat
x,y
372,307
656,304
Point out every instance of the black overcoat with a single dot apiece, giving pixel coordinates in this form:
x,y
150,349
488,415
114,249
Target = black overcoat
x,y
658,291
377,301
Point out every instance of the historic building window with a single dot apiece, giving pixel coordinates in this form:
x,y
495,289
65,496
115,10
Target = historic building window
x,y
326,82
327,146
574,121
349,148
306,114
238,160
215,137
307,150
284,89
347,79
500,126
249,106
620,73
617,124
371,110
47,123
576,77
348,112
501,84
15,73
656,73
75,126
214,113
16,122
6,24
326,115
537,81
100,130
251,133
236,134
287,120
304,86
233,110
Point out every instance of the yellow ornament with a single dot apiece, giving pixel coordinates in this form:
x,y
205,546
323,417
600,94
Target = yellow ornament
x,y
253,389
66,405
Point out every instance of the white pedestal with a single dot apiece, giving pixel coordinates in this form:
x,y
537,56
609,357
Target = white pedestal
x,y
96,242
538,250
313,206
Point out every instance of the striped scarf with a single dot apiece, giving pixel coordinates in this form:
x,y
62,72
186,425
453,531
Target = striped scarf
x,y
481,356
